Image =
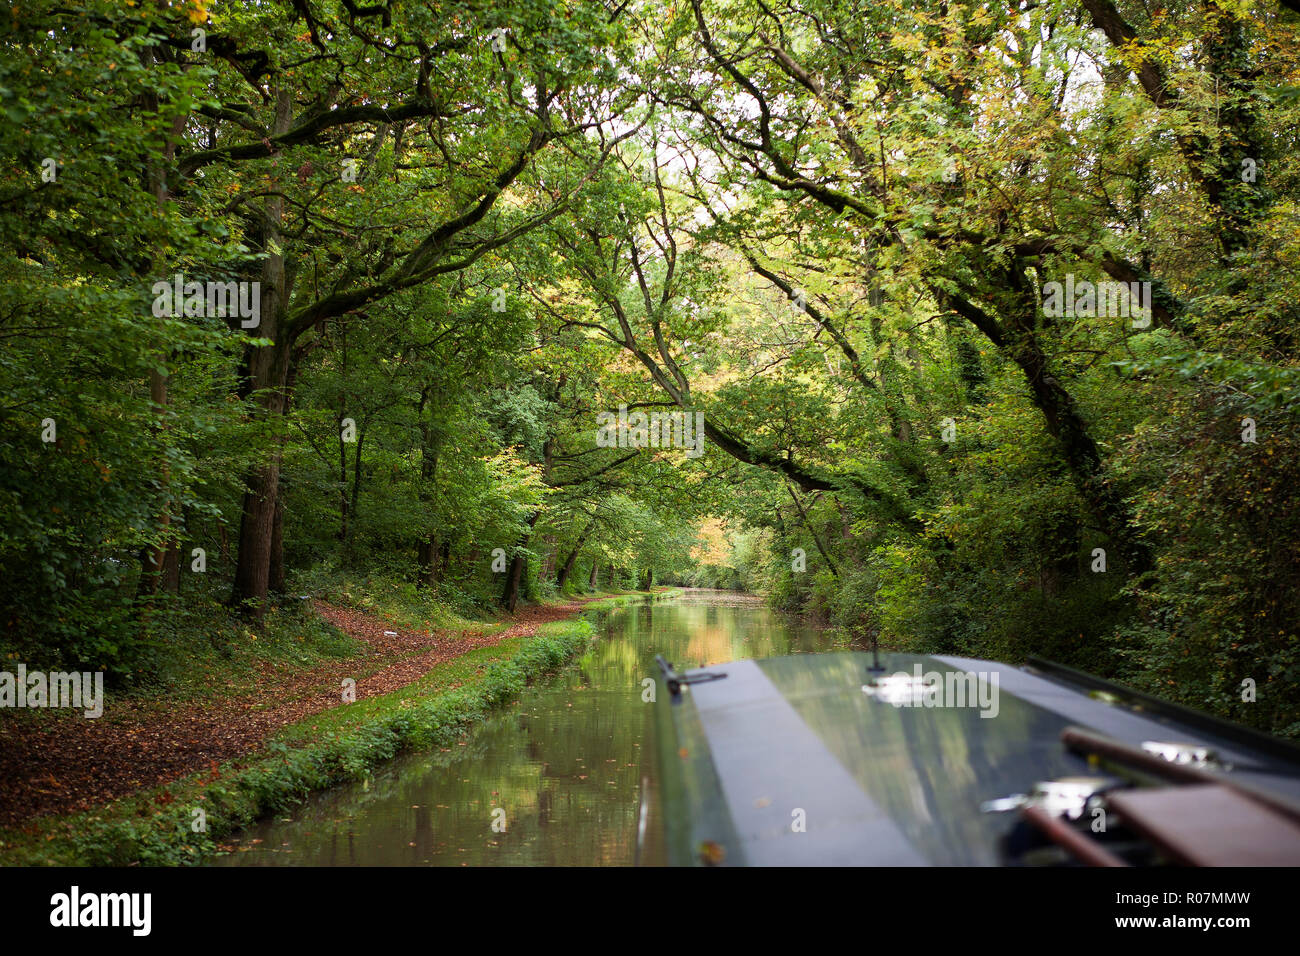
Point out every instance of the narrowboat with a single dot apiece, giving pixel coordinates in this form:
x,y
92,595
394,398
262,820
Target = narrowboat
x,y
876,759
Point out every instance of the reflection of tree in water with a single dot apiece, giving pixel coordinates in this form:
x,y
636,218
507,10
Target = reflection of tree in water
x,y
544,798
565,762
709,645
423,832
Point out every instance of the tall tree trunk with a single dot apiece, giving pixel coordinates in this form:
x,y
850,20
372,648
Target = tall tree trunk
x,y
153,559
275,578
268,378
354,508
427,560
549,556
518,563
567,568
262,484
160,564
171,574
515,572
595,574
343,477
430,449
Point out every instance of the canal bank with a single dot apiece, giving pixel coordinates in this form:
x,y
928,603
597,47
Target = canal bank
x,y
554,778
185,821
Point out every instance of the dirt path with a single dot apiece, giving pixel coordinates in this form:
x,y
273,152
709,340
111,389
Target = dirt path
x,y
69,765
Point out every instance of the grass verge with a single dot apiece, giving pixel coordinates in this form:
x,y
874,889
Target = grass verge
x,y
185,821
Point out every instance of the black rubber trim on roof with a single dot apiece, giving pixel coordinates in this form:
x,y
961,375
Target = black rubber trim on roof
x,y
1227,729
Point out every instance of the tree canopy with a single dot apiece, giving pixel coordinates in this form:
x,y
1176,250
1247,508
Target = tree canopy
x,y
986,313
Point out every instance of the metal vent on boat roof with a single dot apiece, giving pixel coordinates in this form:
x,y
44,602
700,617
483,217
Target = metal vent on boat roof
x,y
1067,796
1193,755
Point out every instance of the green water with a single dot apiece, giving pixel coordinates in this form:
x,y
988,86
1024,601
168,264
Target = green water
x,y
566,762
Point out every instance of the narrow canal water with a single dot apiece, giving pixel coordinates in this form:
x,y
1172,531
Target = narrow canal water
x,y
565,762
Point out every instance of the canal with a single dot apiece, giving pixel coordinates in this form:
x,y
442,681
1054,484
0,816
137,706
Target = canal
x,y
561,769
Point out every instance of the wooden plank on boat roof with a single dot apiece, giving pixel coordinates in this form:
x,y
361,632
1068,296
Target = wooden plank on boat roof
x,y
1209,825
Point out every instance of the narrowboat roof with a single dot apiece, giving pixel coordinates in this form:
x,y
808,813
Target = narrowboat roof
x,y
817,759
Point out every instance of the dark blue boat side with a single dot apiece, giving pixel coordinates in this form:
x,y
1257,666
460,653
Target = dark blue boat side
x,y
819,760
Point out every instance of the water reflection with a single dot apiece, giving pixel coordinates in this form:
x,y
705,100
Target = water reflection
x,y
564,762
929,768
